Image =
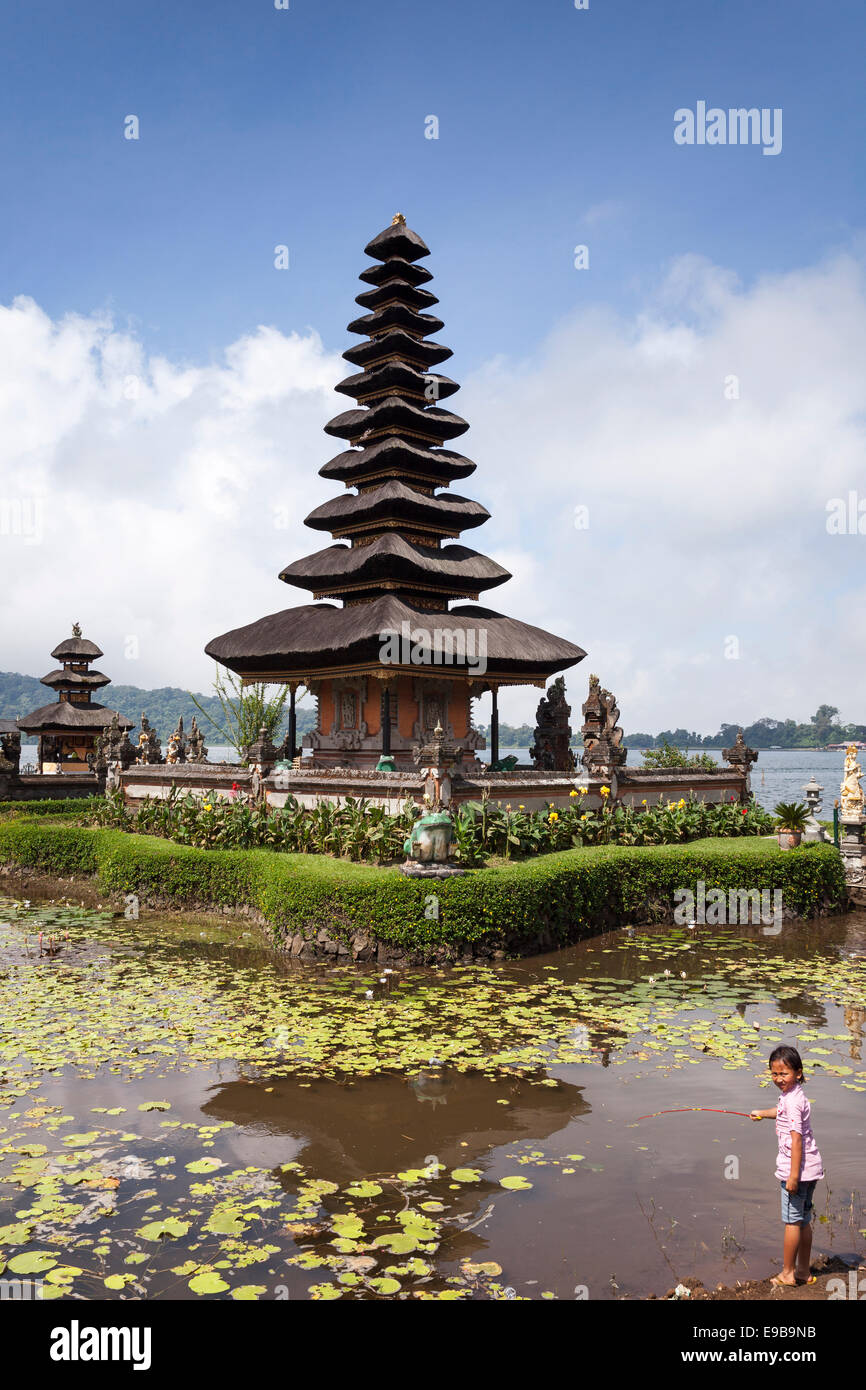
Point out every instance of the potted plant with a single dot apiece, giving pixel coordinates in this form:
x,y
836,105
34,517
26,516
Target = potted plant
x,y
791,818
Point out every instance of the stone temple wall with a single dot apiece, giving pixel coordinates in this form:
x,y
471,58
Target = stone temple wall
x,y
524,787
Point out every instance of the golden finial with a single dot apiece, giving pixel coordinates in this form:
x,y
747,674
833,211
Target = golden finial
x,y
398,220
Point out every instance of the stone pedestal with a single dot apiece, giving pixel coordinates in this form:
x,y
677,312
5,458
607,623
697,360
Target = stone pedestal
x,y
853,853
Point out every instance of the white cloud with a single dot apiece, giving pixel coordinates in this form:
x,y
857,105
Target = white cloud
x,y
174,493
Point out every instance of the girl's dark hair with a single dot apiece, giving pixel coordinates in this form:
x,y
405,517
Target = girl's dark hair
x,y
789,1055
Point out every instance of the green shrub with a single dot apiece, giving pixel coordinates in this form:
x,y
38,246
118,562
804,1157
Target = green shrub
x,y
550,899
60,806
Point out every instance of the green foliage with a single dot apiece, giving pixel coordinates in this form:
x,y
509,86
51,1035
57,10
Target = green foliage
x,y
792,816
244,710
357,830
363,831
550,899
61,806
669,756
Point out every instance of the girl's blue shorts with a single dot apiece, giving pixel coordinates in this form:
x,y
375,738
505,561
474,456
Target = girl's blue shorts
x,y
797,1206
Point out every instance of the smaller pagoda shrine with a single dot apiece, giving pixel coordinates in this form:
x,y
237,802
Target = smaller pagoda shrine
x,y
68,728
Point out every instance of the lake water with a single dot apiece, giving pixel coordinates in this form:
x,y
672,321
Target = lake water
x,y
186,1114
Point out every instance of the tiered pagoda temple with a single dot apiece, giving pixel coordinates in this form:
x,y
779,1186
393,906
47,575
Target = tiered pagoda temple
x,y
386,656
69,728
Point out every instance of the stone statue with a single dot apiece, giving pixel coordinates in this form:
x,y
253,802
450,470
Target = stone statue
x,y
149,747
430,840
10,752
197,750
551,751
177,745
852,792
602,736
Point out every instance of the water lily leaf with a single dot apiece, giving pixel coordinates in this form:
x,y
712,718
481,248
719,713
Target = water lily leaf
x,y
514,1184
363,1189
170,1229
386,1285
34,1262
208,1283
466,1174
246,1293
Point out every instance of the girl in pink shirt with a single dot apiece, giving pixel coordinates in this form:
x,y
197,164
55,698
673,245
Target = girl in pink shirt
x,y
798,1165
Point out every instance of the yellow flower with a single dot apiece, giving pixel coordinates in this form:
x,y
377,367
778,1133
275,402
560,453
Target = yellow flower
x,y
572,792
604,791
208,806
643,803
521,807
553,816
681,802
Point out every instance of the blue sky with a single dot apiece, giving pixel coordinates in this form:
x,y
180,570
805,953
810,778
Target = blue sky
x,y
306,127
153,260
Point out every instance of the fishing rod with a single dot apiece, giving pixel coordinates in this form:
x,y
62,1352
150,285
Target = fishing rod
x,y
685,1109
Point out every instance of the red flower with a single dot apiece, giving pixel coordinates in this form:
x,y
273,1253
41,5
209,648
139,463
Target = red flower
x,y
744,812
234,786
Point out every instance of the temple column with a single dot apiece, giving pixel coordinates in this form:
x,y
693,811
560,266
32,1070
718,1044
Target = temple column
x,y
494,725
293,731
386,718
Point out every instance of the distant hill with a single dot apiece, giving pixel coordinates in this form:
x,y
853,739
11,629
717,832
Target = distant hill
x,y
163,707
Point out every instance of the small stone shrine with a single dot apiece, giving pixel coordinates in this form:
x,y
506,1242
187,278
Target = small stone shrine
x,y
814,832
741,757
197,752
551,751
602,736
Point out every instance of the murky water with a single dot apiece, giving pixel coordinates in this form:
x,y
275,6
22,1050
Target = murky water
x,y
185,1114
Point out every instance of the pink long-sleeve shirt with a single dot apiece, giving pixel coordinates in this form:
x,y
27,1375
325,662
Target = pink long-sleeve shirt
x,y
793,1114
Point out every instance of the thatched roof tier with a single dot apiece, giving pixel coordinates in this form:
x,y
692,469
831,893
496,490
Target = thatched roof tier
x,y
395,268
397,458
64,715
320,640
397,570
393,502
396,316
397,240
77,648
398,417
399,345
396,292
397,379
392,561
77,680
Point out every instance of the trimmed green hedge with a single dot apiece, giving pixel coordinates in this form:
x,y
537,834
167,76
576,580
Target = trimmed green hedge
x,y
553,899
61,806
